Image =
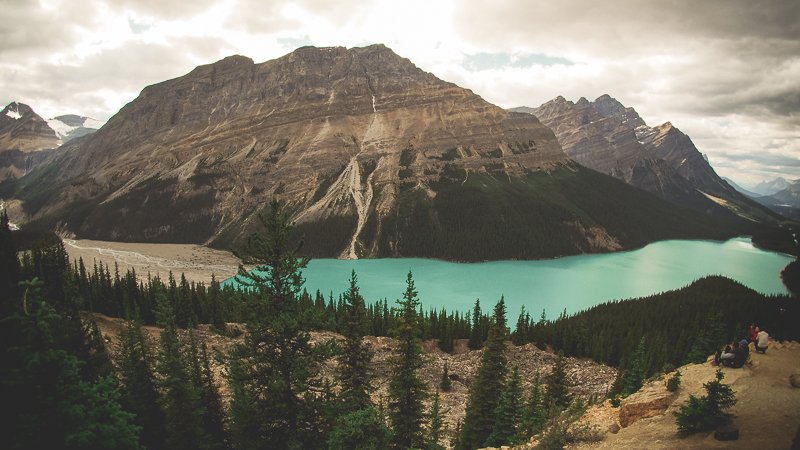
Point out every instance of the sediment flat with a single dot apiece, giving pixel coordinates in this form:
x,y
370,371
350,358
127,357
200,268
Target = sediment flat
x,y
196,262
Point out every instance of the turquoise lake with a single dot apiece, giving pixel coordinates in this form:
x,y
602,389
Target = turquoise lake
x,y
573,282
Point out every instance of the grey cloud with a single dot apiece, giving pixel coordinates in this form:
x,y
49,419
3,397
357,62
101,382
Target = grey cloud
x,y
165,9
484,60
26,27
625,25
265,16
124,70
763,159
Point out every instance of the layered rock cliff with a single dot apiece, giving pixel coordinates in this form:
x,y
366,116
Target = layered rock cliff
x,y
373,156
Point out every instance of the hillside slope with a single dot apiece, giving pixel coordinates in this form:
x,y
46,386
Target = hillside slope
x,y
767,411
595,379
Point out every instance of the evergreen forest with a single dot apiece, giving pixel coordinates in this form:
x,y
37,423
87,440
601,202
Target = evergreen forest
x,y
62,388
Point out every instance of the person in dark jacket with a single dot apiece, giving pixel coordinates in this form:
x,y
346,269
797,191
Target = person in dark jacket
x,y
735,358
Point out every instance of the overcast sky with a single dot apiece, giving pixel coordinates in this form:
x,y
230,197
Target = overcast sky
x,y
726,72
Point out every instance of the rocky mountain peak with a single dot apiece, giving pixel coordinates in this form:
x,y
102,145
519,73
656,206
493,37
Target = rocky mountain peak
x,y
611,138
333,132
23,130
16,111
611,107
608,105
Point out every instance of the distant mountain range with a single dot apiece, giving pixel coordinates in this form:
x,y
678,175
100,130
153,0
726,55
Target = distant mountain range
x,y
26,139
770,187
373,157
741,190
611,138
785,201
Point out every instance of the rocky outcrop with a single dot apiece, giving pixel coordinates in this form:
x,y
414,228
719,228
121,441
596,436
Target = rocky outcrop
x,y
644,404
613,139
767,409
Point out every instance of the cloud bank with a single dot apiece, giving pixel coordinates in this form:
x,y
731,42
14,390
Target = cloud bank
x,y
727,72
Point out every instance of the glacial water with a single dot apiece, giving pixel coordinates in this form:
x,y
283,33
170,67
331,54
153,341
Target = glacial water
x,y
572,283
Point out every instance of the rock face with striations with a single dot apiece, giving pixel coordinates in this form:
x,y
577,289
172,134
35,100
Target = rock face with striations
x,y
608,137
373,156
25,139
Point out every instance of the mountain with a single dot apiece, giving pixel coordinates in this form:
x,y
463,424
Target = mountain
x,y
769,187
22,129
785,202
25,140
742,190
71,126
373,157
611,138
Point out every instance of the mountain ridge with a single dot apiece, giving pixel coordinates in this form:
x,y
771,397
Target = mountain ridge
x,y
609,137
372,156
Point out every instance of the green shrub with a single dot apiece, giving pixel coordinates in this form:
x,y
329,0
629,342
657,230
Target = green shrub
x,y
674,382
707,412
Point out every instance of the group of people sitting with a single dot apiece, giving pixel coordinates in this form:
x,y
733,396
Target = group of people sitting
x,y
735,355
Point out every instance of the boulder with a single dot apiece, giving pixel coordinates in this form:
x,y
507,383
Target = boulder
x,y
644,404
613,428
727,433
794,380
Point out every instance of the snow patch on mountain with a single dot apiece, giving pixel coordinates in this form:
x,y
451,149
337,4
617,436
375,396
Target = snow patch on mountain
x,y
14,114
71,126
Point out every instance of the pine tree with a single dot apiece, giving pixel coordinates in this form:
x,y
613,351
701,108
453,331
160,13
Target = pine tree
x,y
476,336
180,401
361,429
271,371
558,395
507,428
445,384
406,389
353,374
46,401
203,382
215,313
535,411
707,412
436,426
634,374
246,428
485,392
138,387
520,334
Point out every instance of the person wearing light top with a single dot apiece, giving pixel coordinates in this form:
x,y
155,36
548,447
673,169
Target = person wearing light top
x,y
762,341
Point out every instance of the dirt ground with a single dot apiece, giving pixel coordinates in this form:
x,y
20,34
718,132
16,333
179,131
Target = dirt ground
x,y
197,262
767,411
